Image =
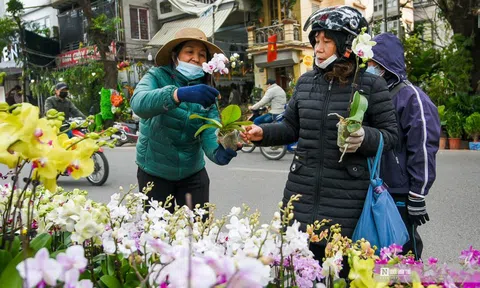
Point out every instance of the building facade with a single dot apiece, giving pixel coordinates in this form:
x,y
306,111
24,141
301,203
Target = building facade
x,y
224,22
292,41
430,25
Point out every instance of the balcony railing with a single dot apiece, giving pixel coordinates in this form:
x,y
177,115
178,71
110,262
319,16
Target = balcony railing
x,y
284,32
262,34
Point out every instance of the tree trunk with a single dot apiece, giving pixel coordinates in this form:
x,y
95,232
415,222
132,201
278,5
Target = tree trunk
x,y
102,42
111,74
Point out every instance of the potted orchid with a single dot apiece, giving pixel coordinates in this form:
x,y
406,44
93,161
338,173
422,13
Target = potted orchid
x,y
362,47
228,127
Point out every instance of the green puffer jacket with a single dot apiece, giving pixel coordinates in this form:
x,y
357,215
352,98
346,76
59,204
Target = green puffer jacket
x,y
166,146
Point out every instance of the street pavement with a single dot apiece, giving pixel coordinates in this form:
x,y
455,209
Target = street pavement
x,y
251,179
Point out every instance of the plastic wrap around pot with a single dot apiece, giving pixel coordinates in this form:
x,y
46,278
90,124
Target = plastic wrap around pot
x,y
342,133
230,140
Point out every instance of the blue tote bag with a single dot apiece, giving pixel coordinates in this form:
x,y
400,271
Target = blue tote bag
x,y
380,222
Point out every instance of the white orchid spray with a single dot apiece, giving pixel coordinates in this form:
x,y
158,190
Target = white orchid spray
x,y
362,47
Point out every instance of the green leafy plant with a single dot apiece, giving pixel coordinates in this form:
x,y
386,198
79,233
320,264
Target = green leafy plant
x,y
472,126
353,122
454,124
228,122
441,114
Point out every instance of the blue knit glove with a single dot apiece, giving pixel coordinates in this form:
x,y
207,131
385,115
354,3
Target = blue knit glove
x,y
201,94
223,156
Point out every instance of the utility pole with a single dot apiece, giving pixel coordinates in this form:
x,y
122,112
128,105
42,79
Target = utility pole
x,y
385,16
213,20
399,21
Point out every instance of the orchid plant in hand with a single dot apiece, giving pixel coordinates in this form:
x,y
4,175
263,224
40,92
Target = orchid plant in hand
x,y
362,48
229,123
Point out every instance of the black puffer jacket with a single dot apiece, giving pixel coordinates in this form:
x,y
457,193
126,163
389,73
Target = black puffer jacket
x,y
331,190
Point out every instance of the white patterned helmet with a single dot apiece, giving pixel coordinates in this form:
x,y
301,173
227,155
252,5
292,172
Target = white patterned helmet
x,y
343,19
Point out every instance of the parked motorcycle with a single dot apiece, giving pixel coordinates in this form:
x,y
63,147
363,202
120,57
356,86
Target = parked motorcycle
x,y
270,152
101,168
127,132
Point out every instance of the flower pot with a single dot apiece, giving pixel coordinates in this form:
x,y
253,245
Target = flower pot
x,y
474,146
443,143
454,143
230,140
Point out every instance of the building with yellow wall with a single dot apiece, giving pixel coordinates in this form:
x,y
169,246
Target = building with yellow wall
x,y
292,41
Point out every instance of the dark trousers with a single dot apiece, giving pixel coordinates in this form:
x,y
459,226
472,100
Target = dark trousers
x,y
415,244
197,185
265,118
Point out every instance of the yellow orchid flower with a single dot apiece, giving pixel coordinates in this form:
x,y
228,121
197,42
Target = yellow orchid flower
x,y
25,118
416,282
10,158
46,169
39,143
86,148
80,166
361,272
49,183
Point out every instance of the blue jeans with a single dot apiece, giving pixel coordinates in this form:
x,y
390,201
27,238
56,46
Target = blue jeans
x,y
265,118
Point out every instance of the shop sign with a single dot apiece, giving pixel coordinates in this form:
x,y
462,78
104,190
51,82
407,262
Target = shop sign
x,y
308,60
72,58
9,53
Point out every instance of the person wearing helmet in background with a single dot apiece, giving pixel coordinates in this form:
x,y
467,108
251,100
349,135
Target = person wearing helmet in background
x,y
331,189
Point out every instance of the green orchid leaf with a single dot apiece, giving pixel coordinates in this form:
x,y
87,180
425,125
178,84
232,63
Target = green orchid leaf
x,y
358,107
41,241
231,114
110,281
243,123
205,126
195,116
110,265
15,246
5,258
10,277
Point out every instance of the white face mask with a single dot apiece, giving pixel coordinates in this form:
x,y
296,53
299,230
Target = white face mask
x,y
190,71
327,61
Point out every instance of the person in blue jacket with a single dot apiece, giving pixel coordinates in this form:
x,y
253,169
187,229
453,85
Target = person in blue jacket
x,y
409,169
168,153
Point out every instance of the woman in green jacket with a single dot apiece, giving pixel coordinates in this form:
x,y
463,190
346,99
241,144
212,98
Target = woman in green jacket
x,y
168,154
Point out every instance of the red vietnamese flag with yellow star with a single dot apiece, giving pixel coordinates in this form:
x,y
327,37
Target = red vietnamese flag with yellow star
x,y
272,48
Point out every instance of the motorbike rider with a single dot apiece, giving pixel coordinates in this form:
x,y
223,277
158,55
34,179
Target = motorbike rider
x,y
61,103
277,98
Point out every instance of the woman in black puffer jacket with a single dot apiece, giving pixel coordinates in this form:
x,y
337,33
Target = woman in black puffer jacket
x,y
329,189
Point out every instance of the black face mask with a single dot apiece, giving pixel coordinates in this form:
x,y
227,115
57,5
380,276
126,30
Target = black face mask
x,y
63,94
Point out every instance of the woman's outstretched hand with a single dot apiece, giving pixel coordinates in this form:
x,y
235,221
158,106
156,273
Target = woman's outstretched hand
x,y
252,133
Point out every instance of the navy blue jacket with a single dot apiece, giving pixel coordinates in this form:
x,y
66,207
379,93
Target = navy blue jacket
x,y
410,166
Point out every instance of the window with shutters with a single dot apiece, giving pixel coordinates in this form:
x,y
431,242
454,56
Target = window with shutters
x,y
139,23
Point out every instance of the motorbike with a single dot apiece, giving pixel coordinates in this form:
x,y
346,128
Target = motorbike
x,y
101,168
271,152
127,132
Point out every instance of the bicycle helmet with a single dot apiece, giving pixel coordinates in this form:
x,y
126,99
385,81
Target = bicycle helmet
x,y
343,24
